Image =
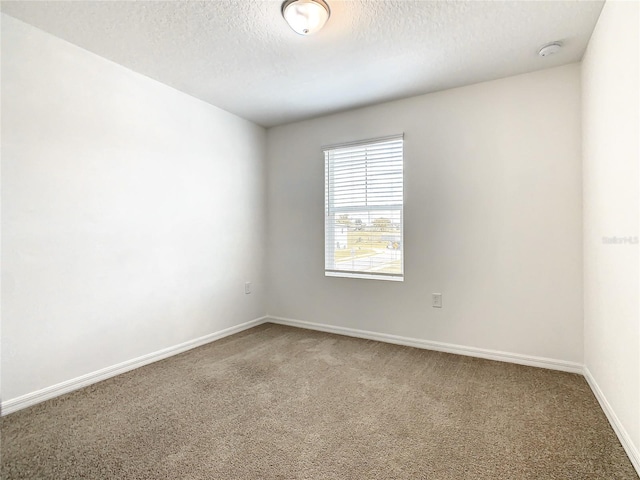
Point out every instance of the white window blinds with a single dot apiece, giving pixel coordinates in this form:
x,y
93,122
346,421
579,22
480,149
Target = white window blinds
x,y
363,209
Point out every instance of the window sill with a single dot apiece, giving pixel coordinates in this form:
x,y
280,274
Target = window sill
x,y
365,276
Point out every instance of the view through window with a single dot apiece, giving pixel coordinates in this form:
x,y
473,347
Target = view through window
x,y
363,209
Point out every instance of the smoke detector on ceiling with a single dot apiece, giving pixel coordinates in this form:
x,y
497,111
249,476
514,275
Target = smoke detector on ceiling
x,y
550,49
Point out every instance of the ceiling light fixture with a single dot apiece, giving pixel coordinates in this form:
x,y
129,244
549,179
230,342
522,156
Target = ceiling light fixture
x,y
305,16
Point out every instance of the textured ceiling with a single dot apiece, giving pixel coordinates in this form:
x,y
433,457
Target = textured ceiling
x,y
241,56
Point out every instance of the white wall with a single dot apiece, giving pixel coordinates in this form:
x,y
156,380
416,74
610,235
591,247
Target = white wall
x,y
611,127
132,214
492,218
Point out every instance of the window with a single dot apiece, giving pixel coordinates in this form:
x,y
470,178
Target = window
x,y
363,209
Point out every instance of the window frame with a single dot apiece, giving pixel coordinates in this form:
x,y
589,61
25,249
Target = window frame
x,y
330,214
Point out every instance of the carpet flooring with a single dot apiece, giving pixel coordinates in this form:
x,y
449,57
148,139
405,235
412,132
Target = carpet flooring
x,y
277,402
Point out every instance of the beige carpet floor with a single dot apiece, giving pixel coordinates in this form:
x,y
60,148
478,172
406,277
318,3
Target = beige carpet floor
x,y
276,402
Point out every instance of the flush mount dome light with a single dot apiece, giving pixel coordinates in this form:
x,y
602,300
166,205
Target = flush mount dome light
x,y
305,16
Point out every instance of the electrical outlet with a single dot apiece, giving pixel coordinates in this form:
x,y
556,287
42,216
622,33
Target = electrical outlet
x,y
436,300
247,288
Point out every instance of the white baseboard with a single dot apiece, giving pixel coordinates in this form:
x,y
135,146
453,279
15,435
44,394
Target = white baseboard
x,y
38,396
621,432
529,360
